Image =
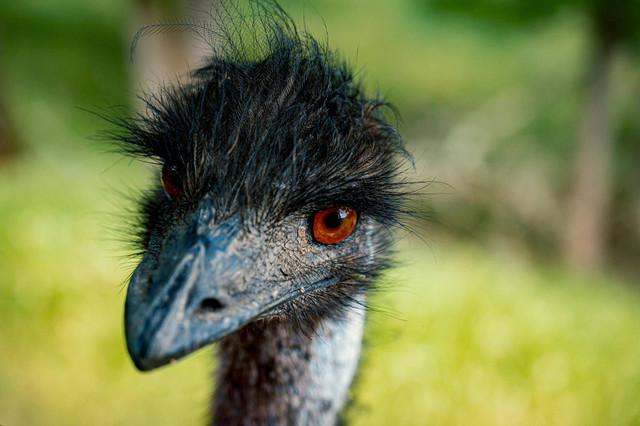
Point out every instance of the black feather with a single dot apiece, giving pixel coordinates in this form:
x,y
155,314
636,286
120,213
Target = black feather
x,y
274,121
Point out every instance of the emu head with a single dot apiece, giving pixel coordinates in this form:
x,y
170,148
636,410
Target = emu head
x,y
278,183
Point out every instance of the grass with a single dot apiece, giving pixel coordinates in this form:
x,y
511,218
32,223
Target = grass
x,y
490,340
484,339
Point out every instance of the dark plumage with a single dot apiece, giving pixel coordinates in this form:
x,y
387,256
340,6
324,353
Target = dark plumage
x,y
270,131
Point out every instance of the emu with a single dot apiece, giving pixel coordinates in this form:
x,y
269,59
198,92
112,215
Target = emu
x,y
279,182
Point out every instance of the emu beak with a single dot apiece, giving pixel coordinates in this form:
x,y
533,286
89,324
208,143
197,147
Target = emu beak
x,y
202,289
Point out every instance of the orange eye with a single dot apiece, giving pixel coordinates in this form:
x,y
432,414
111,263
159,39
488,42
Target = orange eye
x,y
333,225
171,183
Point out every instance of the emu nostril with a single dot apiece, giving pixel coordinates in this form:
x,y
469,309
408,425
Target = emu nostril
x,y
211,304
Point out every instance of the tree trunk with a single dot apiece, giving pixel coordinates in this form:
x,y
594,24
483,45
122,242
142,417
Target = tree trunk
x,y
585,230
164,57
9,138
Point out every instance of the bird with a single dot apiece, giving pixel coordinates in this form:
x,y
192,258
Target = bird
x,y
279,185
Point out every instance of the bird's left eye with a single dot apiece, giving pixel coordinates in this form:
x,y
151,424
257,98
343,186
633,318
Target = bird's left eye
x,y
171,183
333,225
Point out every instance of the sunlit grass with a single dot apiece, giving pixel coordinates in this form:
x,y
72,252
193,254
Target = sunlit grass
x,y
490,340
61,298
484,339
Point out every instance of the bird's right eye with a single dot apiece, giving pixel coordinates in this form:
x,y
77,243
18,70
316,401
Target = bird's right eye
x,y
171,183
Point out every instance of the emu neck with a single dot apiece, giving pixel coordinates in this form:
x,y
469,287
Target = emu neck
x,y
271,375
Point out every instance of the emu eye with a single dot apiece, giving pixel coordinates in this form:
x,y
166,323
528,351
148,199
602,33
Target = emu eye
x,y
333,225
171,183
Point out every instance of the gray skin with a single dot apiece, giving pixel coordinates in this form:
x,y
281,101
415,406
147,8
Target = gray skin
x,y
231,280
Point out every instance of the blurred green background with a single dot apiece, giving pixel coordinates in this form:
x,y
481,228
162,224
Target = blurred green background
x,y
519,304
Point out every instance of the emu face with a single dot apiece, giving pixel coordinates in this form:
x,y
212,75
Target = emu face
x,y
207,278
280,183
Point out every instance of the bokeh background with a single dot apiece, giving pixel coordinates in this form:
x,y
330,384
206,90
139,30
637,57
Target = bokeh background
x,y
516,302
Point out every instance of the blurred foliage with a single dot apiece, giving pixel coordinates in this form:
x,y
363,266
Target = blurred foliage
x,y
618,18
489,336
610,27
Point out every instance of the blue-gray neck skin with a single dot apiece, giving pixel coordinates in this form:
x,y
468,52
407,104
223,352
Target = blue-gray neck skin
x,y
269,374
